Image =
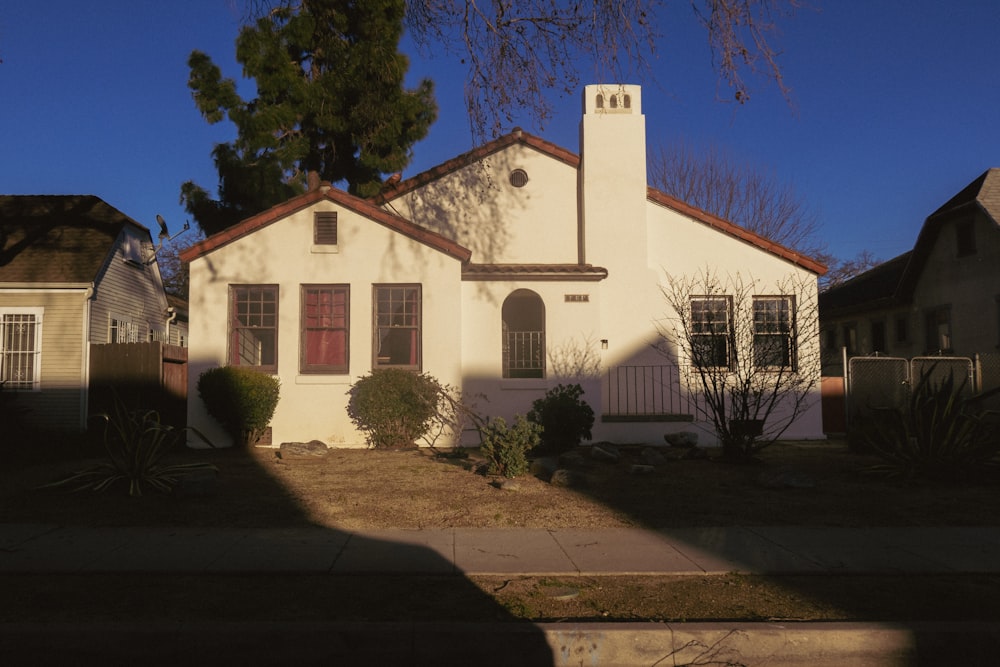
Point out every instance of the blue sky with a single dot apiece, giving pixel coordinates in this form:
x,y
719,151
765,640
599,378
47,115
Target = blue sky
x,y
895,106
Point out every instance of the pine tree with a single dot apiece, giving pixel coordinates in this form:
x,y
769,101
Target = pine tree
x,y
330,105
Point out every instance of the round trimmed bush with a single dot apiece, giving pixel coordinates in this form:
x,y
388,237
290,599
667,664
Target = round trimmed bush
x,y
393,407
241,399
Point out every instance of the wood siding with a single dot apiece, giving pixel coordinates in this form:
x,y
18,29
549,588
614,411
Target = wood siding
x,y
130,292
60,402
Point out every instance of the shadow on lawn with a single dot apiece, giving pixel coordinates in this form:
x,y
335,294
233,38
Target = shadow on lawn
x,y
174,589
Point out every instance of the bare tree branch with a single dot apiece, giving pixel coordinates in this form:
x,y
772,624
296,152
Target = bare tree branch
x,y
519,52
749,196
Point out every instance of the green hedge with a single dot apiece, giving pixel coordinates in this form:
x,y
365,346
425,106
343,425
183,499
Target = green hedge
x,y
393,407
241,399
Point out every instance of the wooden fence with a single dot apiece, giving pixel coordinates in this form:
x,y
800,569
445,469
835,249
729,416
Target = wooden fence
x,y
145,376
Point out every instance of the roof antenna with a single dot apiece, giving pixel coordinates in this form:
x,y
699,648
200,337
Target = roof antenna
x,y
164,235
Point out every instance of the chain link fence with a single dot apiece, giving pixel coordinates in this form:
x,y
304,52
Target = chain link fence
x,y
878,383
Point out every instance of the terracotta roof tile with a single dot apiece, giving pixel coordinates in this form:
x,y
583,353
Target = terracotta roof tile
x,y
341,198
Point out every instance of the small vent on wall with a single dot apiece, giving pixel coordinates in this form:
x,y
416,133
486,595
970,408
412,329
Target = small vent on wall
x,y
519,178
325,228
577,298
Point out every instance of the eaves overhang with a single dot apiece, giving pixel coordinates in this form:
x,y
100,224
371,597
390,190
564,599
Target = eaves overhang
x,y
534,272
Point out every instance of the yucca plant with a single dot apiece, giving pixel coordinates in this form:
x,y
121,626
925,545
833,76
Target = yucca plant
x,y
941,433
137,444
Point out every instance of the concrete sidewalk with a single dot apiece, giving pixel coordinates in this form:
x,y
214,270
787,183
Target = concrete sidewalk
x,y
38,548
41,548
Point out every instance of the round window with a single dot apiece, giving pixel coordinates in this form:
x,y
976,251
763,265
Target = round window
x,y
519,178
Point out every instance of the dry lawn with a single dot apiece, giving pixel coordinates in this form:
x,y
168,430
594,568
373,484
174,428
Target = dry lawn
x,y
360,489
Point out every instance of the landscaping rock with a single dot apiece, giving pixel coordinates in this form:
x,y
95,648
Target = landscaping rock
x,y
568,478
573,459
543,467
651,457
684,439
605,452
508,485
785,478
303,450
640,469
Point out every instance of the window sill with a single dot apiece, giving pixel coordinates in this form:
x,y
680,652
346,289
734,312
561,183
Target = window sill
x,y
523,383
324,249
343,379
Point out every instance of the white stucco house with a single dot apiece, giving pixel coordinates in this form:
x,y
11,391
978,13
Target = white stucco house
x,y
505,271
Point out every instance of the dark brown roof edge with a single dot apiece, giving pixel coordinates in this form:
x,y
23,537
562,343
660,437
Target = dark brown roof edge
x,y
584,272
735,230
356,204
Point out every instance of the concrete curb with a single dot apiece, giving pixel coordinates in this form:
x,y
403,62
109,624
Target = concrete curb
x,y
605,644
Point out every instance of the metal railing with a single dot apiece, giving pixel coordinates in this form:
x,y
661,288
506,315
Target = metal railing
x,y
647,391
524,354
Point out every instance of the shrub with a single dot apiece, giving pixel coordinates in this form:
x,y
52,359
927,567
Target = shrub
x,y
136,443
565,418
506,448
394,407
940,433
241,399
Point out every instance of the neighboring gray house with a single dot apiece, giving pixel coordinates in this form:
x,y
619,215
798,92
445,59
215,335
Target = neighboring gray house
x,y
73,271
941,297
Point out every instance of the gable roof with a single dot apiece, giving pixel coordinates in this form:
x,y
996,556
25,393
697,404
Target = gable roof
x,y
981,195
339,197
732,229
518,136
875,288
892,282
57,238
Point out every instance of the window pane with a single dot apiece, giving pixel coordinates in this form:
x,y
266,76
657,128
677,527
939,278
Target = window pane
x,y
772,322
710,332
253,326
397,326
324,329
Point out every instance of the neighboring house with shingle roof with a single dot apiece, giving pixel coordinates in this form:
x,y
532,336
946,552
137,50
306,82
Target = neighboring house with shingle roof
x,y
943,296
73,271
505,271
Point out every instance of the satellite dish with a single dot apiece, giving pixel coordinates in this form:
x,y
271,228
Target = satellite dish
x,y
163,225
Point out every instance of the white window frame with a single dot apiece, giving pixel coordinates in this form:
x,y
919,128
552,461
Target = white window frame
x,y
36,372
124,330
771,325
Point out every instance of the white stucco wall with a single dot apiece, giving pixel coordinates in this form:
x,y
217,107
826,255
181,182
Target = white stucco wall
x,y
501,224
313,407
615,321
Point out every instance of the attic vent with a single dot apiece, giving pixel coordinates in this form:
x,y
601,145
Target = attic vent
x,y
519,178
325,228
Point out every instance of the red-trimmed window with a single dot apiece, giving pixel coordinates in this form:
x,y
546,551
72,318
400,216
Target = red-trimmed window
x,y
253,327
397,326
325,316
